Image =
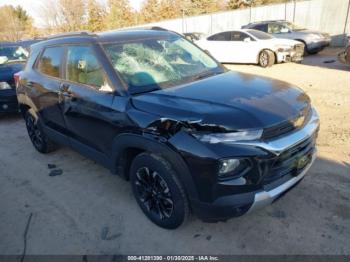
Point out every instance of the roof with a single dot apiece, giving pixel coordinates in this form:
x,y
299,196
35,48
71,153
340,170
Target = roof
x,y
105,37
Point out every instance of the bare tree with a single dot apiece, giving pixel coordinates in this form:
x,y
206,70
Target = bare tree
x,y
15,24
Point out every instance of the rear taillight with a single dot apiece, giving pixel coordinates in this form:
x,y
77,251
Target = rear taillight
x,y
17,78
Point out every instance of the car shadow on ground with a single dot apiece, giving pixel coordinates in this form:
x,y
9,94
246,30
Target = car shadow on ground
x,y
327,58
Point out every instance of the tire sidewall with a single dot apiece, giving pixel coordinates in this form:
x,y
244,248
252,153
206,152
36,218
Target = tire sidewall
x,y
270,58
156,163
42,148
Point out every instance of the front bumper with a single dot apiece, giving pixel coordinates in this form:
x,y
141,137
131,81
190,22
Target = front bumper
x,y
8,101
247,198
318,45
264,198
291,56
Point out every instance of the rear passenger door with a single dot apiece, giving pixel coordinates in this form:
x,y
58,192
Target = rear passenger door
x,y
87,98
242,50
44,85
219,46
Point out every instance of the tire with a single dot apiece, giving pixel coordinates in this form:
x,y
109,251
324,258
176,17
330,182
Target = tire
x,y
36,134
266,58
158,191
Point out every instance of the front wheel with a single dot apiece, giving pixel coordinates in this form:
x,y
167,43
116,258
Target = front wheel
x,y
266,58
158,191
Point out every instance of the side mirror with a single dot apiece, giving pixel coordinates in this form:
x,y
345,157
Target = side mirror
x,y
247,40
285,30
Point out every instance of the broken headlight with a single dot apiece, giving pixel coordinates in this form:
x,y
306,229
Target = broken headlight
x,y
283,48
227,138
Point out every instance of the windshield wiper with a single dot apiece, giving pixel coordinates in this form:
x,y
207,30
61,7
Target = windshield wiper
x,y
205,75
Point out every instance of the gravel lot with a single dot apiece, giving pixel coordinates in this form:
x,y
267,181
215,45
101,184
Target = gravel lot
x,y
88,211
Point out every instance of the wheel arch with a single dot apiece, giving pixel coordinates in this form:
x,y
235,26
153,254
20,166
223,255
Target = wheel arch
x,y
126,147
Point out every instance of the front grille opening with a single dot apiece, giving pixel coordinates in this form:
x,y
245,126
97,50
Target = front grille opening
x,y
293,161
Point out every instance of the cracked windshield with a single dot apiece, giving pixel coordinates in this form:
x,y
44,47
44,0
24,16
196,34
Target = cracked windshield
x,y
152,64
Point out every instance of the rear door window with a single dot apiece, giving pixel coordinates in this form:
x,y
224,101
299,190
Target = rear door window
x,y
225,36
50,61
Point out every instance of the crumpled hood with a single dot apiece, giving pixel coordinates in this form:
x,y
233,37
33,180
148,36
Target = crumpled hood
x,y
230,100
282,41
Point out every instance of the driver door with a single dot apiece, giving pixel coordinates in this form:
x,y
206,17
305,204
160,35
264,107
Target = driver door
x,y
87,99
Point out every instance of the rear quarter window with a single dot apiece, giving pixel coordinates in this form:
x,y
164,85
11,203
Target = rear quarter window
x,y
50,61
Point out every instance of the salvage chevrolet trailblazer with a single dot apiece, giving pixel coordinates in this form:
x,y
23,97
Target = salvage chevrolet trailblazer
x,y
189,135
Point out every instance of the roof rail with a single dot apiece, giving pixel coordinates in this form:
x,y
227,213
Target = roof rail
x,y
69,34
158,28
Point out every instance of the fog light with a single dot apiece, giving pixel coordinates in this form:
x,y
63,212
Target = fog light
x,y
228,165
5,106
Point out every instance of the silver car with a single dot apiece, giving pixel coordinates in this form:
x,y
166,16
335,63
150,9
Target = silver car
x,y
314,41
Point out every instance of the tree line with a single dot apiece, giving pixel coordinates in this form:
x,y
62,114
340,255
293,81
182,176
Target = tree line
x,y
59,16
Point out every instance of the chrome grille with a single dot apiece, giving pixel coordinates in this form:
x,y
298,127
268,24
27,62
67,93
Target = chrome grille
x,y
289,162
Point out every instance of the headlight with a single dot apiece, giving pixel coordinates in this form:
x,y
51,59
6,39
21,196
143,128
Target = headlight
x,y
315,37
4,85
227,138
233,168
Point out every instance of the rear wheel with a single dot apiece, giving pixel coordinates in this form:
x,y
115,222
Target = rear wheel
x,y
36,134
158,191
266,58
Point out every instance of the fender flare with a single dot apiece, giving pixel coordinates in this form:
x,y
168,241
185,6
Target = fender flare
x,y
134,141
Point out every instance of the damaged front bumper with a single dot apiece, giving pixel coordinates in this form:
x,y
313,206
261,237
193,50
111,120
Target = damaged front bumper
x,y
294,55
271,175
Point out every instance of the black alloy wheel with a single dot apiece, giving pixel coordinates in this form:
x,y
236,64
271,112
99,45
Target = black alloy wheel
x,y
158,191
36,134
154,193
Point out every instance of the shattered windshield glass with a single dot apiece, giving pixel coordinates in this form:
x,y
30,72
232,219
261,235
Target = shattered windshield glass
x,y
151,64
10,54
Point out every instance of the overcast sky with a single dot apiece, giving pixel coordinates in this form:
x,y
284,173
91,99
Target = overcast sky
x,y
33,7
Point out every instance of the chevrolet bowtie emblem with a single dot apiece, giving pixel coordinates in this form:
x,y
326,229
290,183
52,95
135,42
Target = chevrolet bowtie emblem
x,y
298,122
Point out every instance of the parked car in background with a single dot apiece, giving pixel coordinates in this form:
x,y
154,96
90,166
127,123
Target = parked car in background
x,y
251,46
12,59
314,41
13,56
194,36
344,56
190,135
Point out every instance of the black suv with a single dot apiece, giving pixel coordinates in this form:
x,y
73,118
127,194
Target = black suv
x,y
157,110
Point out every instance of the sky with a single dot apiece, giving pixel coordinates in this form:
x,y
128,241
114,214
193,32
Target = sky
x,y
33,6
